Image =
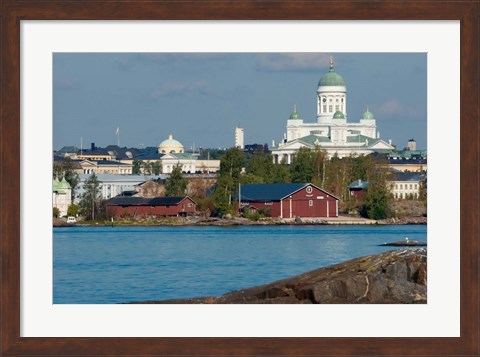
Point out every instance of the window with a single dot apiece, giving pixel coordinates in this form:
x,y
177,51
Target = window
x,y
396,187
309,189
336,108
336,100
268,203
330,108
324,108
410,186
310,203
401,187
189,204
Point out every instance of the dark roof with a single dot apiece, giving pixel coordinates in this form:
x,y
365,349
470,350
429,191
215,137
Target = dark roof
x,y
406,176
68,149
95,151
128,193
270,191
145,201
122,153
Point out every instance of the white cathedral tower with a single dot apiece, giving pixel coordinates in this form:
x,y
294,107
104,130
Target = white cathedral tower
x,y
331,96
331,131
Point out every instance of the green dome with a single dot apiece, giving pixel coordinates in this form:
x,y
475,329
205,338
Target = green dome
x,y
367,115
331,78
294,114
61,185
338,115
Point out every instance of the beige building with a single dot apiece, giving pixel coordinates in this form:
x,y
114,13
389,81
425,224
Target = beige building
x,y
105,167
406,184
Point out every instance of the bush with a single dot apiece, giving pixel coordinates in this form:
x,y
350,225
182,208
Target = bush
x,y
72,210
56,212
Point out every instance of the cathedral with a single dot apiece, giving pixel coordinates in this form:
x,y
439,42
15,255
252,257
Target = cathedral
x,y
331,131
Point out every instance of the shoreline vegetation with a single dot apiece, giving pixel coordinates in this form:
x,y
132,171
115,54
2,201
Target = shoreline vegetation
x,y
393,277
240,221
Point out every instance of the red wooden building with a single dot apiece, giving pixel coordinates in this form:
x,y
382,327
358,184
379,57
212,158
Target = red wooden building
x,y
122,206
289,200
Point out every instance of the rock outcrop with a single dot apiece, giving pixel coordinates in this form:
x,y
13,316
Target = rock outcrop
x,y
394,277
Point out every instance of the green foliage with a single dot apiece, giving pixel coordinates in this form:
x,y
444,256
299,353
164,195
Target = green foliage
x,y
281,173
147,168
227,181
72,210
376,203
261,165
137,167
301,168
156,167
90,197
251,178
56,212
176,184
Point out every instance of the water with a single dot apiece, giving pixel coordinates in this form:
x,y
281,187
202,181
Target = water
x,y
104,265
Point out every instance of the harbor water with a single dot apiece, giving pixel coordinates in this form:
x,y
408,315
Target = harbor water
x,y
105,265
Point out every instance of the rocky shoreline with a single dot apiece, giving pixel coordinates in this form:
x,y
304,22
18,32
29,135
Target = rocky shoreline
x,y
394,277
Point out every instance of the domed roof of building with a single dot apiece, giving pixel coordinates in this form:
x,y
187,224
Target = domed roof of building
x,y
338,115
170,145
59,185
367,114
294,114
331,78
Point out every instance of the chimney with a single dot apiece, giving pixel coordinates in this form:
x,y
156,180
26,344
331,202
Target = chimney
x,y
92,146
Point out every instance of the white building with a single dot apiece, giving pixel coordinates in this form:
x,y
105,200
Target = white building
x,y
62,196
240,138
112,185
331,131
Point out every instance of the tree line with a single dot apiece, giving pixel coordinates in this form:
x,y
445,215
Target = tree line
x,y
307,166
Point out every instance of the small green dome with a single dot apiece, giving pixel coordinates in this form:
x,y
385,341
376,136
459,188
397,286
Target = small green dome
x,y
367,115
294,114
338,115
331,78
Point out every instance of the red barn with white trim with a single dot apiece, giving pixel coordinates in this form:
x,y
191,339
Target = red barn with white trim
x,y
289,200
144,206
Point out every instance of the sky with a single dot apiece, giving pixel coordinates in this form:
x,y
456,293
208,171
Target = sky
x,y
200,98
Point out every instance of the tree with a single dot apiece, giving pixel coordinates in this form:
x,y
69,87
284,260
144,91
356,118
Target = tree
x,y
72,210
90,197
227,180
261,165
376,203
176,184
56,212
281,173
137,167
156,167
301,168
147,167
66,169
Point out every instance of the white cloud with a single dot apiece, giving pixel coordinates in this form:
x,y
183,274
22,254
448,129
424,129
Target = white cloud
x,y
393,107
292,61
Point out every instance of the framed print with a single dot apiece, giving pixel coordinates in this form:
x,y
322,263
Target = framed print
x,y
34,32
